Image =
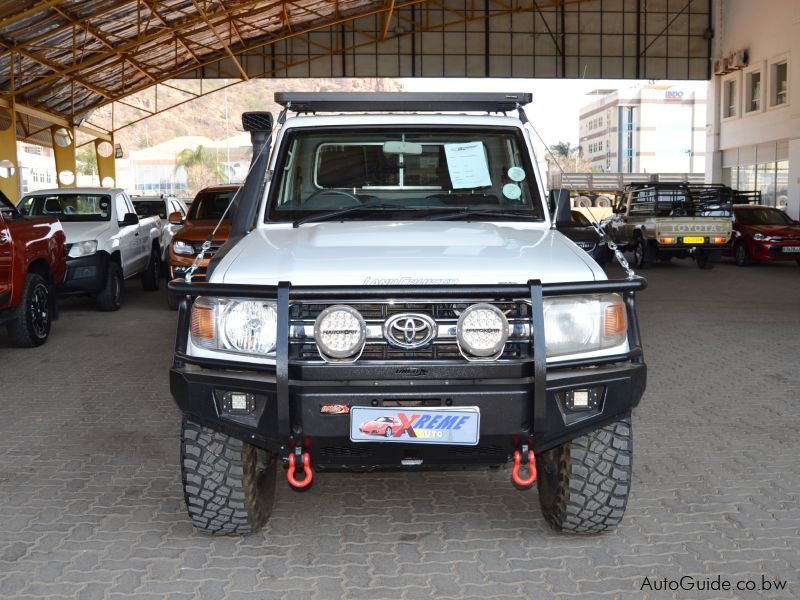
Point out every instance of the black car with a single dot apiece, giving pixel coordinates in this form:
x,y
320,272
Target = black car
x,y
581,231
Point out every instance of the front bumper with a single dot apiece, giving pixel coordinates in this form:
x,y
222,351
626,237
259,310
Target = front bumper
x,y
85,275
292,404
179,265
507,408
775,251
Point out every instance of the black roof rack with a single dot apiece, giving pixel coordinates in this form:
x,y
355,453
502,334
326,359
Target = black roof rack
x,y
311,102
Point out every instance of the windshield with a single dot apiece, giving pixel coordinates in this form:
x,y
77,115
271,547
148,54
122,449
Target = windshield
x,y
151,208
762,216
404,173
210,205
68,207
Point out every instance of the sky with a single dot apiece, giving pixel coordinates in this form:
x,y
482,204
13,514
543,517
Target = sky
x,y
556,102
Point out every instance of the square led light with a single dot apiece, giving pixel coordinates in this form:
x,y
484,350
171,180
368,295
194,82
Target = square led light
x,y
238,401
580,398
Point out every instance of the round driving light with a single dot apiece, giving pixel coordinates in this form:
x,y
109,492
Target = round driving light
x,y
340,332
482,330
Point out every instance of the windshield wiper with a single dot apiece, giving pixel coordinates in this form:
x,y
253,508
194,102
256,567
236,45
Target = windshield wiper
x,y
332,215
467,213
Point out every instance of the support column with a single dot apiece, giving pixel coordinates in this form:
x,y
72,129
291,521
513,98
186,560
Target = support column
x,y
106,162
64,152
9,165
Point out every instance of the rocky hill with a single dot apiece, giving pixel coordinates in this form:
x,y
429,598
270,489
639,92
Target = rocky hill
x,y
206,116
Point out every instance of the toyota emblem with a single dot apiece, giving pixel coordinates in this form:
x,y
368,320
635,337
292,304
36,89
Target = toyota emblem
x,y
409,330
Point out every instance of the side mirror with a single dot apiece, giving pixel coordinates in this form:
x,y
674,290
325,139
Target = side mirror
x,y
129,219
175,218
560,203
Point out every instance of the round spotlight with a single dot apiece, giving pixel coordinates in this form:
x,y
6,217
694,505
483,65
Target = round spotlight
x,y
482,330
340,332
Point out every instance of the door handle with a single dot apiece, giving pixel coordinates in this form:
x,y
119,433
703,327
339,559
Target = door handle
x,y
4,237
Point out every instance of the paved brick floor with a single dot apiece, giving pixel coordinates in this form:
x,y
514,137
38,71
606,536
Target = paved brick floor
x,y
91,504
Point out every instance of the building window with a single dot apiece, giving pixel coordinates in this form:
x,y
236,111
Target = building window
x,y
729,98
779,75
753,87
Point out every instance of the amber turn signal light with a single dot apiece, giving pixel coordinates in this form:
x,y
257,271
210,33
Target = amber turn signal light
x,y
719,239
615,322
666,239
203,325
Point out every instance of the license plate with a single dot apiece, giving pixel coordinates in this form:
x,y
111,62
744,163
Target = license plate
x,y
416,425
694,240
791,249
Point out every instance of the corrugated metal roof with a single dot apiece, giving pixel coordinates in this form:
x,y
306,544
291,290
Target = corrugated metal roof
x,y
70,56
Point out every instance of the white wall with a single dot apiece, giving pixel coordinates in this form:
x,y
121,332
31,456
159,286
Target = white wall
x,y
769,30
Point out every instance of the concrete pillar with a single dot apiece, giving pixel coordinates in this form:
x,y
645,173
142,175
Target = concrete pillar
x,y
64,152
793,204
9,165
106,163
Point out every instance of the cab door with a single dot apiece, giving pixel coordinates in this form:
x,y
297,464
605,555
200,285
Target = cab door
x,y
6,248
129,248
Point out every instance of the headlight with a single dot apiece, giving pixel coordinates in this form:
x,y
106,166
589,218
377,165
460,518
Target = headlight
x,y
181,247
759,237
340,332
482,331
575,324
245,326
80,249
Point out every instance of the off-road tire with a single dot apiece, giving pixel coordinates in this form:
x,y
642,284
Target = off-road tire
x,y
228,485
642,253
110,297
30,325
704,259
151,278
173,301
740,255
584,484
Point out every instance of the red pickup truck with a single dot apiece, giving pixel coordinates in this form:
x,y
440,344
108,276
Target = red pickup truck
x,y
33,260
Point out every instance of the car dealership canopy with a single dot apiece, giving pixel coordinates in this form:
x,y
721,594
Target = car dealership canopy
x,y
60,60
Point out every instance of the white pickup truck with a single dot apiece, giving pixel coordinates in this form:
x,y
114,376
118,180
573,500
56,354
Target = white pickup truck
x,y
394,293
108,242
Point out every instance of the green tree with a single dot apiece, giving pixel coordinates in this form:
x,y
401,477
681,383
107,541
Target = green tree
x,y
563,149
202,168
86,160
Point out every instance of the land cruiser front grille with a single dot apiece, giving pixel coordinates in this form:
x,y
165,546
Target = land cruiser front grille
x,y
303,348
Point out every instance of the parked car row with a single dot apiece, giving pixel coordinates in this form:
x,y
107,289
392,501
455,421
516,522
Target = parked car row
x,y
662,221
71,241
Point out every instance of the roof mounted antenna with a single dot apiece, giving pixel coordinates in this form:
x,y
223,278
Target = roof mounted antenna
x,y
598,227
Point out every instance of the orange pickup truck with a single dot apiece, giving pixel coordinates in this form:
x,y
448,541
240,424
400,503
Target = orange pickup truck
x,y
33,260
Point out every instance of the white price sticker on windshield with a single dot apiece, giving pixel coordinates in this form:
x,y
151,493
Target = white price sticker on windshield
x,y
467,165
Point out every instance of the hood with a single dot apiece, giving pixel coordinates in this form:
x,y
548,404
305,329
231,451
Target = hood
x,y
198,231
80,231
405,253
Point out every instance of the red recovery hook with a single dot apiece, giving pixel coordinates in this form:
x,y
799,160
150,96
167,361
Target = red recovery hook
x,y
309,474
524,482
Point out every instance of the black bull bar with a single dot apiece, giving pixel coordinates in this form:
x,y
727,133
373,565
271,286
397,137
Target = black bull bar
x,y
284,294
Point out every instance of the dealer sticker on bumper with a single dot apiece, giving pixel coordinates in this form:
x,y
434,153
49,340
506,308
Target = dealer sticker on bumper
x,y
416,425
